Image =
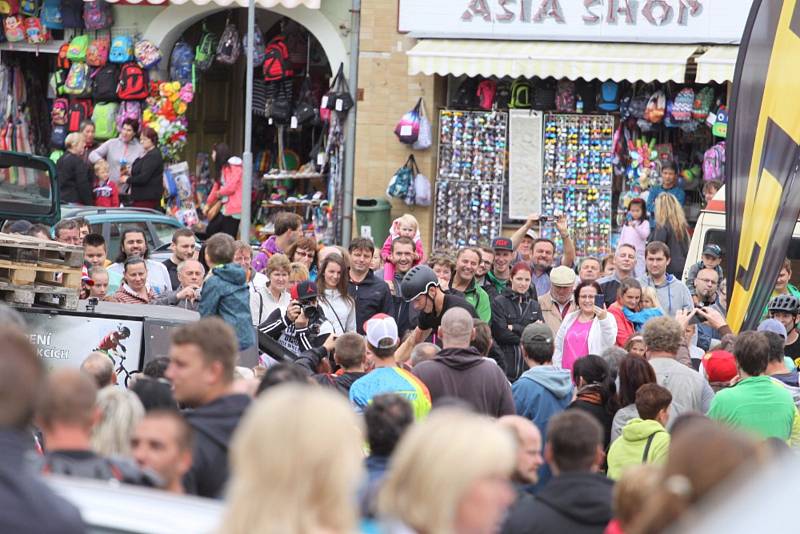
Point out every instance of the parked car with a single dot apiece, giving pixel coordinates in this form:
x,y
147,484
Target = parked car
x,y
110,222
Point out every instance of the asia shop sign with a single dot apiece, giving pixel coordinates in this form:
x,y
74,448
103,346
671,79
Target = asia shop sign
x,y
656,21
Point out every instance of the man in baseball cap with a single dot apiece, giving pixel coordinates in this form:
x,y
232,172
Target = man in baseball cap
x,y
558,302
498,277
711,259
386,377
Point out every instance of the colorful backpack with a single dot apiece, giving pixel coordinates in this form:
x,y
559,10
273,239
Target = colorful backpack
x,y
29,8
230,45
121,49
35,33
129,110
97,15
486,92
133,83
565,96
703,101
58,115
77,83
97,54
181,63
609,96
259,51
656,107
720,127
62,62
104,118
147,54
79,111
205,50
520,94
55,87
638,104
714,162
51,15
78,47
682,107
72,14
13,28
276,64
9,7
104,83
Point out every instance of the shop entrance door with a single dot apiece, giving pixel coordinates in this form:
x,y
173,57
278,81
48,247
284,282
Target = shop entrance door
x,y
210,117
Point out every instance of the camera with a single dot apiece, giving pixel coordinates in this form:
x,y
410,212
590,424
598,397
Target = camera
x,y
310,311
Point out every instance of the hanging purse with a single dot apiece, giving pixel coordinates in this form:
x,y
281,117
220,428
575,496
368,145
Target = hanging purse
x,y
407,129
402,183
339,98
306,111
425,137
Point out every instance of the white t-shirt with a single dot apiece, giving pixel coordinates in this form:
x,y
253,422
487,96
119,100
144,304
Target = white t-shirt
x,y
157,275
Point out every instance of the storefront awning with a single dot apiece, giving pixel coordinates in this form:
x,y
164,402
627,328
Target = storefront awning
x,y
266,4
717,64
615,61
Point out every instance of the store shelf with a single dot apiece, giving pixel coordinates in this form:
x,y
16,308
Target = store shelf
x,y
46,48
311,204
292,176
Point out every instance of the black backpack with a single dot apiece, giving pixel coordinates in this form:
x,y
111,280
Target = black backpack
x,y
502,97
544,95
104,83
587,91
467,95
72,14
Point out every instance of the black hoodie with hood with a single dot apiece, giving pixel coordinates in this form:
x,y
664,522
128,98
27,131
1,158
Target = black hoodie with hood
x,y
213,425
577,503
464,374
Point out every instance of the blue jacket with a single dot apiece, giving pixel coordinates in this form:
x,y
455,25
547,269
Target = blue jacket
x,y
539,394
225,294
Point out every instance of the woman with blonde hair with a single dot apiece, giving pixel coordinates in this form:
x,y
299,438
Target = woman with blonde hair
x,y
449,474
296,463
120,412
650,298
673,230
297,273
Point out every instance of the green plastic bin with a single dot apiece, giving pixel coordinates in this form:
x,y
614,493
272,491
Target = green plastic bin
x,y
373,217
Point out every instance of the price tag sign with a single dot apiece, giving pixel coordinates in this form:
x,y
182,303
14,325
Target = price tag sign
x,y
293,124
339,104
406,130
321,159
324,102
270,121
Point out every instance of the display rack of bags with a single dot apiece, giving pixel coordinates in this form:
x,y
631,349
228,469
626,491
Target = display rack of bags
x,y
470,178
578,174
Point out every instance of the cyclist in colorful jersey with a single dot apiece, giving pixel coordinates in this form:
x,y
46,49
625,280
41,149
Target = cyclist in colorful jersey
x,y
387,377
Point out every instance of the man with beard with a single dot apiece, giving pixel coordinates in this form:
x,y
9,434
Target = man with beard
x,y
133,243
705,295
183,248
544,250
372,296
464,283
625,263
487,260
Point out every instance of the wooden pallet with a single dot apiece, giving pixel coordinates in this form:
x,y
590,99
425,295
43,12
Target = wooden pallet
x,y
27,296
22,249
24,274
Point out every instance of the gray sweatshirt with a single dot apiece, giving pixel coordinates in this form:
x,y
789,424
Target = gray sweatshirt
x,y
115,152
673,295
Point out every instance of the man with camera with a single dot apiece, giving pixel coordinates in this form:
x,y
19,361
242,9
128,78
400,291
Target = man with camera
x,y
190,279
303,326
705,296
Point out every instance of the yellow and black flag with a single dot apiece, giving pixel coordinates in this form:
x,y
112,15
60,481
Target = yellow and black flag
x,y
763,152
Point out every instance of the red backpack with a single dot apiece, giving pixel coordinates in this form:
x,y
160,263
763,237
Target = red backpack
x,y
277,65
133,84
60,112
79,111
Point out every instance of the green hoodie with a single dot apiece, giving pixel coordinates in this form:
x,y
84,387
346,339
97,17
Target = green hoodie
x,y
628,449
479,299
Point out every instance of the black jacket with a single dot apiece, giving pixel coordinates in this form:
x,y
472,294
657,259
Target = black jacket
x,y
74,180
27,505
309,361
213,426
518,311
372,296
147,176
574,503
678,249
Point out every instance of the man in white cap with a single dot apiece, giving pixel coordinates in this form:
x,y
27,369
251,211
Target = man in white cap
x,y
386,377
558,302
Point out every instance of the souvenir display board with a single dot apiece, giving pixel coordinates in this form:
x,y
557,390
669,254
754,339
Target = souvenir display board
x,y
471,178
578,174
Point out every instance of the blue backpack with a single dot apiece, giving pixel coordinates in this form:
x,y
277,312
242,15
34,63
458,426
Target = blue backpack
x,y
609,96
51,15
181,63
121,49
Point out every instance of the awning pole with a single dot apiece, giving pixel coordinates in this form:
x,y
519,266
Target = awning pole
x,y
350,138
247,155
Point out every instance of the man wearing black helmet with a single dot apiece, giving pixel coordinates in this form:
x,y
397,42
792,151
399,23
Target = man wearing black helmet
x,y
420,288
784,308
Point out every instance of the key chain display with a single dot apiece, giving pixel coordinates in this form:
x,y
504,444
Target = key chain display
x,y
578,175
471,178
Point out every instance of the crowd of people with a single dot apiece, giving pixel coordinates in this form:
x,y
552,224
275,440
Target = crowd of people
x,y
501,390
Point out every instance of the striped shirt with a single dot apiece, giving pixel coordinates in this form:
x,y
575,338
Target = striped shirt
x,y
391,380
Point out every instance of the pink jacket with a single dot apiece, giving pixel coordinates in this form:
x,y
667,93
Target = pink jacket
x,y
231,188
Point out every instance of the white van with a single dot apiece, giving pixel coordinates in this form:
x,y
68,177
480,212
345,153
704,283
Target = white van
x,y
710,228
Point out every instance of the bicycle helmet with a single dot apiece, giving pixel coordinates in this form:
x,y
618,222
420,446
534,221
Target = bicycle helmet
x,y
417,281
784,303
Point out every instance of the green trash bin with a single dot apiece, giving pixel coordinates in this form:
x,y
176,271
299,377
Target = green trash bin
x,y
373,217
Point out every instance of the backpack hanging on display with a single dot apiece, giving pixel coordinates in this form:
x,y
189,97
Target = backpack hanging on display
x,y
58,115
97,15
502,97
425,137
104,118
62,62
147,54
130,109
422,190
720,127
133,83
51,15
259,53
521,97
55,86
79,111
13,29
121,49
97,54
486,92
714,163
682,107
467,95
306,111
638,103
401,185
544,95
339,98
78,47
181,63
230,45
35,33
276,65
29,8
608,97
656,107
703,101
407,128
565,96
205,50
72,14
58,135
77,82
104,83
9,7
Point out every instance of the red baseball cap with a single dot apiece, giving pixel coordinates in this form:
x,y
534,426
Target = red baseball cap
x,y
720,366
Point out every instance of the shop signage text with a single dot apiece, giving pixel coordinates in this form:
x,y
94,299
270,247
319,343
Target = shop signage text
x,y
714,21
